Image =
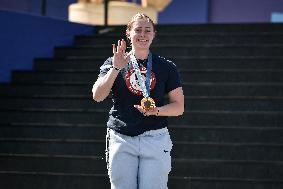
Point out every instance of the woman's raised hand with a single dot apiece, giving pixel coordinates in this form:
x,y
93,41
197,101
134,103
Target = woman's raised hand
x,y
120,57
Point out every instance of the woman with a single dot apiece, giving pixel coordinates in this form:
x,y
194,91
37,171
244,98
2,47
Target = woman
x,y
139,145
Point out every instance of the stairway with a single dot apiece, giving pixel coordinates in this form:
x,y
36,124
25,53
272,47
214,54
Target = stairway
x,y
230,136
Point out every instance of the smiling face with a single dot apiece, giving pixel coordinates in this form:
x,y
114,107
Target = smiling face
x,y
141,34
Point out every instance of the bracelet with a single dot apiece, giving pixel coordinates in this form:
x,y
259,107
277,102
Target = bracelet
x,y
157,112
115,68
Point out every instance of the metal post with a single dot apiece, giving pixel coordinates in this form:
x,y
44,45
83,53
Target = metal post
x,y
43,7
106,12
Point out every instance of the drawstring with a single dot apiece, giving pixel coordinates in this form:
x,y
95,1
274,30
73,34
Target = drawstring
x,y
107,148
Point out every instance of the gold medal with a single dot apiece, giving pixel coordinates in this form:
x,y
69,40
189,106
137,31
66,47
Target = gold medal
x,y
147,103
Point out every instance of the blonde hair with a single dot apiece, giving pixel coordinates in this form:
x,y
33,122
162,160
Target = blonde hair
x,y
140,16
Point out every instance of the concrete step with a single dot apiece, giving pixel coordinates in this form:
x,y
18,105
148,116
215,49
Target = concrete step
x,y
53,163
94,63
227,169
237,118
180,167
248,103
43,180
193,39
200,89
47,90
54,103
179,50
54,116
35,180
226,134
188,75
232,89
183,150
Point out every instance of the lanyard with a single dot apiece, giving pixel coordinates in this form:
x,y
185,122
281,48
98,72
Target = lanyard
x,y
144,84
148,73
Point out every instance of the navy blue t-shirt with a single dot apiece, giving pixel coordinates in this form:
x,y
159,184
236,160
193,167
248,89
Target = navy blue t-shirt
x,y
126,92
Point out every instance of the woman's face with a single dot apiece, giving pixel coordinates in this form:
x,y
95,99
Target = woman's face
x,y
141,34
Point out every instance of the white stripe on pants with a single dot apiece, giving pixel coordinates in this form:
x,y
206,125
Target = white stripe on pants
x,y
140,162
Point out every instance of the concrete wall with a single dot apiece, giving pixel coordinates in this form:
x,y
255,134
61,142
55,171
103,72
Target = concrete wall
x,y
185,11
243,11
24,37
54,8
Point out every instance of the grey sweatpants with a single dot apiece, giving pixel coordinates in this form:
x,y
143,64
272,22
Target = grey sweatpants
x,y
140,162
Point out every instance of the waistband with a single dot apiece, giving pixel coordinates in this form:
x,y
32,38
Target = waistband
x,y
146,133
155,132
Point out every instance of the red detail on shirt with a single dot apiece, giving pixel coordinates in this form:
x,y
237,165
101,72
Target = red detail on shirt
x,y
132,83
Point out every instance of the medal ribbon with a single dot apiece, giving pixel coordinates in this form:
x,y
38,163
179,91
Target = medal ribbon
x,y
145,84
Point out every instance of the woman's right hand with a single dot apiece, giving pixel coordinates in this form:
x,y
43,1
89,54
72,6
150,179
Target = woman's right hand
x,y
120,57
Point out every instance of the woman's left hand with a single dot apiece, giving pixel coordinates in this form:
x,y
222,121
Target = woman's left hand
x,y
150,112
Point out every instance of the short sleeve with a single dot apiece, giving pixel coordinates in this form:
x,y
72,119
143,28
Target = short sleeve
x,y
173,79
105,67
